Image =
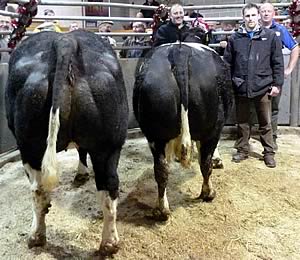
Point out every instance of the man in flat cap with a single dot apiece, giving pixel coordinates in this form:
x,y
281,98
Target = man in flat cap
x,y
105,26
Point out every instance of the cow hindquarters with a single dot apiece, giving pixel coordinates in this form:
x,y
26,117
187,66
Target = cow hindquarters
x,y
161,172
41,203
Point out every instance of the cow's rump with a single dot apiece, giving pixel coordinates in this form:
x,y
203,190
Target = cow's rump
x,y
158,98
91,92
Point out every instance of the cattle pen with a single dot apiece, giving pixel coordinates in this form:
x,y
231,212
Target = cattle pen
x,y
255,214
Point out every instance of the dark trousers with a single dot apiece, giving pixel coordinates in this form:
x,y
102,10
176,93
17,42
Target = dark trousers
x,y
275,111
263,111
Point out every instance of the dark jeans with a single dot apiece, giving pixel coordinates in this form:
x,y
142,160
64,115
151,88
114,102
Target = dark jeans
x,y
274,118
263,110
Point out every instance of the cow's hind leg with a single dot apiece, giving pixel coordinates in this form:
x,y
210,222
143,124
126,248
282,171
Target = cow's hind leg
x,y
161,172
41,203
205,161
107,182
82,175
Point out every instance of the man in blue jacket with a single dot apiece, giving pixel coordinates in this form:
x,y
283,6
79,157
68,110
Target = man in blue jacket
x,y
256,62
267,14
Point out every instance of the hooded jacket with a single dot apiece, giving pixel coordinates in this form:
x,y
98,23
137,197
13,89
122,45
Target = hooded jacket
x,y
256,61
168,33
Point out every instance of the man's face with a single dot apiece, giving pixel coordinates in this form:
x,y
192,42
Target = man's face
x,y
176,15
251,18
4,23
74,26
227,26
138,28
106,27
267,13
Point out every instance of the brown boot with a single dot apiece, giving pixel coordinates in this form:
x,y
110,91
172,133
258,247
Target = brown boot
x,y
269,160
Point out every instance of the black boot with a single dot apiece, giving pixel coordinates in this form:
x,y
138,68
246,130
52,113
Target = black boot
x,y
238,157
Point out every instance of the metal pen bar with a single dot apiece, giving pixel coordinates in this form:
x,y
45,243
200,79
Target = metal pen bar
x,y
94,18
195,7
72,3
125,19
102,33
132,47
228,6
124,34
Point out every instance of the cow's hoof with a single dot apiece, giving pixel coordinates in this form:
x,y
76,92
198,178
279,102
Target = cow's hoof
x,y
217,164
160,215
207,197
80,179
108,248
36,241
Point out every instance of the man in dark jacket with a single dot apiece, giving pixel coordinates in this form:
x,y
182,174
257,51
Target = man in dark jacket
x,y
173,30
255,58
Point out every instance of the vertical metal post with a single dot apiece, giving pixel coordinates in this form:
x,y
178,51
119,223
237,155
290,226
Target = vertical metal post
x,y
295,84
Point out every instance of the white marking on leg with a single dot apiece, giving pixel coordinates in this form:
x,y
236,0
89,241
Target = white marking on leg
x,y
216,154
49,163
216,159
109,207
40,202
163,203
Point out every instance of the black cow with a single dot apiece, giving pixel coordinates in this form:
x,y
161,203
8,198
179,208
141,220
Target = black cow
x,y
182,93
66,88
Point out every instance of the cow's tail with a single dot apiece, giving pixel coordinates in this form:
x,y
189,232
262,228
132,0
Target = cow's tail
x,y
64,47
179,59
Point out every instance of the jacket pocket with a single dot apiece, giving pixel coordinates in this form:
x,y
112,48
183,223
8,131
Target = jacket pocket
x,y
263,80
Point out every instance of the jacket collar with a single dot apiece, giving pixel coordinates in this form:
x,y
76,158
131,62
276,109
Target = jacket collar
x,y
243,32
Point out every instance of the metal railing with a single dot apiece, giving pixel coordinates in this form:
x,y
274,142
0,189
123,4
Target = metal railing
x,y
134,6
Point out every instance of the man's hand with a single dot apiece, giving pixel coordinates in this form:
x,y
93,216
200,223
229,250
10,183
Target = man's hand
x,y
223,44
274,91
287,72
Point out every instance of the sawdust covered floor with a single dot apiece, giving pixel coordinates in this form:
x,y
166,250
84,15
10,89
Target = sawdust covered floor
x,y
256,214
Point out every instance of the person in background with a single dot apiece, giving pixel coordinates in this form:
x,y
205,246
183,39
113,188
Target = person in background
x,y
3,4
149,13
137,27
174,29
267,13
48,25
73,26
226,26
257,71
106,26
4,26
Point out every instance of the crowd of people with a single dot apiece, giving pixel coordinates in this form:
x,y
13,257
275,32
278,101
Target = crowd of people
x,y
256,81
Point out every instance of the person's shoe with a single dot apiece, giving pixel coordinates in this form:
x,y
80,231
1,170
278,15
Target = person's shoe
x,y
275,146
270,161
238,157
